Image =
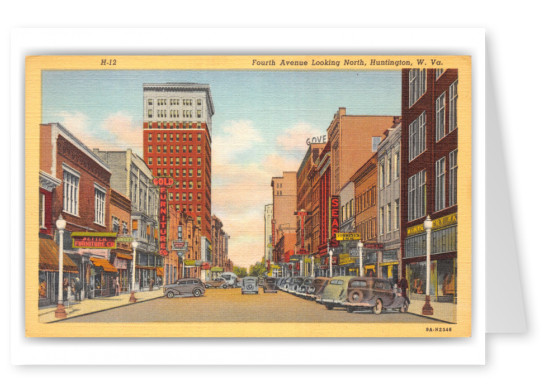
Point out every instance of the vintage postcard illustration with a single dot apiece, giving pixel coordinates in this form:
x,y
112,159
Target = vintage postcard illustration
x,y
248,196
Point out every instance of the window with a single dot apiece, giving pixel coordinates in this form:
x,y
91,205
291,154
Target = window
x,y
198,161
184,197
396,214
190,196
417,84
124,228
158,134
453,178
438,72
170,196
199,195
417,130
396,165
42,213
150,161
115,224
198,113
198,102
198,172
190,160
199,139
158,149
190,185
190,172
388,169
149,136
417,195
198,208
382,174
388,218
150,102
381,221
440,116
177,172
171,148
199,184
99,198
71,181
453,107
375,141
190,148
150,148
440,191
149,113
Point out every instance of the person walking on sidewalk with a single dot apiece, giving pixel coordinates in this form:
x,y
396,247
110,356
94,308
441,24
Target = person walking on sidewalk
x,y
117,286
65,288
151,282
78,289
403,285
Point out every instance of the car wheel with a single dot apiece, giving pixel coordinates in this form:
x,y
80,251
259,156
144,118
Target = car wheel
x,y
349,310
378,307
197,292
329,306
355,296
207,286
404,307
225,286
170,295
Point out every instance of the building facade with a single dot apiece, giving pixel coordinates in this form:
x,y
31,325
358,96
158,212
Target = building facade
x,y
177,126
80,193
388,155
284,196
268,217
353,139
133,179
429,166
119,219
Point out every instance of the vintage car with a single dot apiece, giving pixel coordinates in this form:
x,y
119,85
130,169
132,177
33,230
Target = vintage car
x,y
335,292
217,283
231,278
318,285
185,287
269,285
306,285
295,284
249,285
286,283
279,282
375,293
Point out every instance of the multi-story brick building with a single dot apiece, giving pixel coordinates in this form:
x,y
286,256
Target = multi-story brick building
x,y
388,155
220,243
323,188
429,179
353,139
365,195
119,219
268,217
304,200
284,196
177,126
80,182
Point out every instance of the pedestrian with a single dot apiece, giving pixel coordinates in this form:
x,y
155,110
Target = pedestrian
x,y
65,288
117,286
151,282
403,285
78,289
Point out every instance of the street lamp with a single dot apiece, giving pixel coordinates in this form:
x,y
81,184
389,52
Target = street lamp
x,y
132,297
312,266
60,311
360,247
427,309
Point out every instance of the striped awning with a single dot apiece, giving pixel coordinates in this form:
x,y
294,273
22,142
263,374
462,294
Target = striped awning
x,y
103,263
48,254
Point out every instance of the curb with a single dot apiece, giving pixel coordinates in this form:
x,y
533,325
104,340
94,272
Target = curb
x,y
103,310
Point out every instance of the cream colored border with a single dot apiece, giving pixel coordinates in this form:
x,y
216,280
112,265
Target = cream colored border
x,y
34,67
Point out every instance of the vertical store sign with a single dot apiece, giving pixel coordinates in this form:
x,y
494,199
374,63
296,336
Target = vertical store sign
x,y
334,216
163,183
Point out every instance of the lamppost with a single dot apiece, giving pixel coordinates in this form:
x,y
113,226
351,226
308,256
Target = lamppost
x,y
132,297
313,266
427,309
60,311
330,263
360,247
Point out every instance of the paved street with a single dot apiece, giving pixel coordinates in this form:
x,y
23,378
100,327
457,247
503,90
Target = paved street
x,y
229,305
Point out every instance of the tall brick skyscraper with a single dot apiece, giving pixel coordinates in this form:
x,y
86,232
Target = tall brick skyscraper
x,y
177,140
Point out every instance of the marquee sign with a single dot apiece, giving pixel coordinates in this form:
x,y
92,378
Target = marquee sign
x,y
348,236
94,240
163,183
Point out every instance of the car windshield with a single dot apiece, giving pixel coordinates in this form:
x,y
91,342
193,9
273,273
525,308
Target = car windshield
x,y
307,282
336,282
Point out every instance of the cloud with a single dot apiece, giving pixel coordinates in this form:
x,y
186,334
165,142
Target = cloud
x,y
294,138
233,138
118,131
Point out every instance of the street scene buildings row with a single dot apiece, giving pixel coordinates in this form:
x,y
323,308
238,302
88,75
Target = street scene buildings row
x,y
368,191
109,202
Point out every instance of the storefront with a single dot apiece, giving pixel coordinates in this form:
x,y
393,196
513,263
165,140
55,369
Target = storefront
x,y
48,271
144,275
105,276
390,266
443,270
215,272
123,263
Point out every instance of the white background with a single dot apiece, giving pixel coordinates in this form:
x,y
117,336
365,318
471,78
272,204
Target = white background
x,y
517,55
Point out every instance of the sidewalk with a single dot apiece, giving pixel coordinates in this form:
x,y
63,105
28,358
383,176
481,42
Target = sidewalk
x,y
441,311
97,304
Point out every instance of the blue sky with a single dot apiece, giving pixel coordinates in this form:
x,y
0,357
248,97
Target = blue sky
x,y
261,122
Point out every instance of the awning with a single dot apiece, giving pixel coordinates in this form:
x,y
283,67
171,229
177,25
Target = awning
x,y
134,225
189,262
145,267
217,269
103,263
159,271
48,254
124,256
